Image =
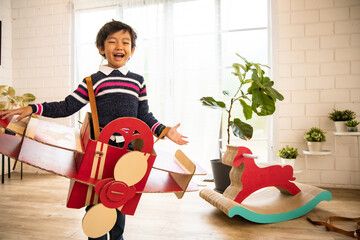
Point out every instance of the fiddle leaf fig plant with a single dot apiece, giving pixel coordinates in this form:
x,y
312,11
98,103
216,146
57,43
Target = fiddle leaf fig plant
x,y
254,94
8,99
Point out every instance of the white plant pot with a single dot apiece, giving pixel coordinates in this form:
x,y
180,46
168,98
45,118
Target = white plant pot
x,y
340,126
287,161
315,146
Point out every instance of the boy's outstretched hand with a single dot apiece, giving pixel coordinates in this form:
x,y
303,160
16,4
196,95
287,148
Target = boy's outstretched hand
x,y
175,136
22,112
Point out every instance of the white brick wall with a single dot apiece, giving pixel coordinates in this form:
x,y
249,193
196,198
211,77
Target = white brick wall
x,y
318,70
42,49
6,64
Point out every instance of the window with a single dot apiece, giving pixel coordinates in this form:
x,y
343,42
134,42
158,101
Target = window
x,y
185,50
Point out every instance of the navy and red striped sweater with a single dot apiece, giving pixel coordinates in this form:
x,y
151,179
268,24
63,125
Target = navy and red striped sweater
x,y
118,93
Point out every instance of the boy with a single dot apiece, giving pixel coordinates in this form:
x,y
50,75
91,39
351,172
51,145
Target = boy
x,y
118,93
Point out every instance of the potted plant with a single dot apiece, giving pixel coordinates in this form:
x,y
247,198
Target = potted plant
x,y
255,93
288,155
352,125
340,118
8,100
315,137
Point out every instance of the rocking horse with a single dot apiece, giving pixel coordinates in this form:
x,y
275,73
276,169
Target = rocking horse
x,y
262,194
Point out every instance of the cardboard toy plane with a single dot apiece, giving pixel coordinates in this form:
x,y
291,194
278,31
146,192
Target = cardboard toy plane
x,y
100,174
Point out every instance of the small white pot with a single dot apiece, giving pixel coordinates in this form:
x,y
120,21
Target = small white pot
x,y
340,126
315,146
288,161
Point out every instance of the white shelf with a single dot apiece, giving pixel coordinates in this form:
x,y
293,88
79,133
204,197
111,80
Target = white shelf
x,y
322,153
347,133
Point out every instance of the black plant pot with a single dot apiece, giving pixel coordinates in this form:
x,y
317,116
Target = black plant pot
x,y
221,175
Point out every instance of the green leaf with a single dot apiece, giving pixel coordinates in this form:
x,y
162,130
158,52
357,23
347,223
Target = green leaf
x,y
241,129
3,105
28,97
275,93
2,89
11,92
212,103
262,104
247,110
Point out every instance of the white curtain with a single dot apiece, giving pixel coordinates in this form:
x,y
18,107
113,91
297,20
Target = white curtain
x,y
176,52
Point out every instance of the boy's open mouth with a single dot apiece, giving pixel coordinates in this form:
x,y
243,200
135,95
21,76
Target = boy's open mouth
x,y
119,56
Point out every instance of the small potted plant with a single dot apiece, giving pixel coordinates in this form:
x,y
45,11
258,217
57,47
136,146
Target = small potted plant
x,y
288,155
315,138
352,125
340,118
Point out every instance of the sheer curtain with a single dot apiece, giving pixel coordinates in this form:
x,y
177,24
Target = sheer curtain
x,y
177,53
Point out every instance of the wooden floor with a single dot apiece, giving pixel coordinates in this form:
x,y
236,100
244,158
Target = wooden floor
x,y
34,209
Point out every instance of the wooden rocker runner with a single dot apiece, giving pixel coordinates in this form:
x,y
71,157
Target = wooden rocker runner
x,y
262,194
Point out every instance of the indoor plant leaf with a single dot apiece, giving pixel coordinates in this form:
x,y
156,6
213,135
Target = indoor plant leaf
x,y
247,109
28,97
11,91
241,129
262,104
212,103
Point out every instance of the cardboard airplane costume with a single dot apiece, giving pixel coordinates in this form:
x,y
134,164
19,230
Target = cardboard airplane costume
x,y
100,174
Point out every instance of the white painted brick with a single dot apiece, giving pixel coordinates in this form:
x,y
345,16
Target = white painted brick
x,y
347,27
296,30
305,17
335,95
318,29
349,140
35,42
355,40
284,18
27,73
61,93
354,106
26,12
20,43
338,68
355,95
341,151
44,31
283,5
44,10
291,83
291,110
318,4
305,96
355,67
44,72
61,71
52,40
319,55
341,3
54,19
36,21
334,14
62,8
44,52
297,5
55,82
320,82
18,4
36,83
355,178
307,69
284,123
284,44
326,123
34,3
305,43
347,54
320,162
334,41
291,136
335,177
284,70
19,23
347,81
308,176
319,109
287,98
292,57
355,12
302,123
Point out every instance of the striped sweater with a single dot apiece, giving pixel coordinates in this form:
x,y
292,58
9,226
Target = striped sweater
x,y
118,93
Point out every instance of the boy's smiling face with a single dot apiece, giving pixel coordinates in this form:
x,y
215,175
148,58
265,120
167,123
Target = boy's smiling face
x,y
117,49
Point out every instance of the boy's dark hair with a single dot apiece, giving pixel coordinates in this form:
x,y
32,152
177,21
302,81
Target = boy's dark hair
x,y
112,27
